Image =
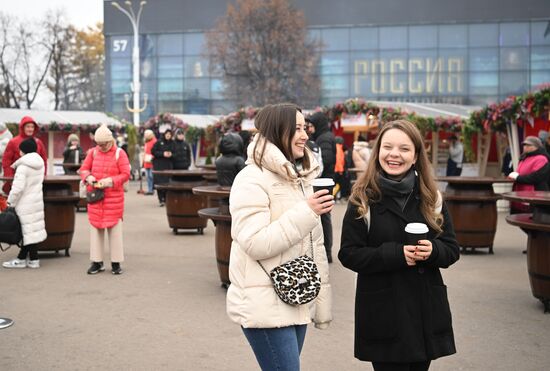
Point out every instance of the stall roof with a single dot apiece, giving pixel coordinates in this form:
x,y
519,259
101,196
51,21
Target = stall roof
x,y
200,121
432,109
12,115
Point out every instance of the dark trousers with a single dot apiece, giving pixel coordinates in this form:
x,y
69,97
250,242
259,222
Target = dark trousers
x,y
453,169
161,194
30,250
326,222
390,366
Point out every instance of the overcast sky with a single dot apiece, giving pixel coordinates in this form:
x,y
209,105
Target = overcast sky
x,y
80,13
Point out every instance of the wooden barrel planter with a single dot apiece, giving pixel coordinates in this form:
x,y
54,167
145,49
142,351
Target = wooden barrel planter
x,y
472,205
221,217
59,212
537,227
223,240
182,206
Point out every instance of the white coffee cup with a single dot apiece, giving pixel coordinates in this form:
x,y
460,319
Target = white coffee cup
x,y
415,232
322,183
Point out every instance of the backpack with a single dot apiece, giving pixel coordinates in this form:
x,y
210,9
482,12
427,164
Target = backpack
x,y
10,228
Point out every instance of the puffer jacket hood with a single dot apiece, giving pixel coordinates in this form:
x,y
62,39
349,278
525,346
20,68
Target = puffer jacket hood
x,y
231,144
360,145
26,120
320,122
32,160
274,160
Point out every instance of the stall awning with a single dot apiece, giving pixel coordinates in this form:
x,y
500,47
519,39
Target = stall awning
x,y
13,115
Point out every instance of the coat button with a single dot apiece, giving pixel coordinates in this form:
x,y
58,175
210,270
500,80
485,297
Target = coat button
x,y
421,270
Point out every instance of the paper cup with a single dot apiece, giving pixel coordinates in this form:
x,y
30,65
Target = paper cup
x,y
323,183
415,232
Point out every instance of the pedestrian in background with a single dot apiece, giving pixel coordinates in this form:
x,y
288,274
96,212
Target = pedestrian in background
x,y
150,140
360,154
163,150
456,156
275,218
181,158
231,161
26,197
402,315
73,153
532,173
106,167
5,136
28,128
246,136
323,136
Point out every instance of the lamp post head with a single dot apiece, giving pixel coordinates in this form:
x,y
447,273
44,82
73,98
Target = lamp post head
x,y
115,4
143,3
129,3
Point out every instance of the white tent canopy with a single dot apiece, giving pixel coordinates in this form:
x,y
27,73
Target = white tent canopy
x,y
13,115
431,109
199,121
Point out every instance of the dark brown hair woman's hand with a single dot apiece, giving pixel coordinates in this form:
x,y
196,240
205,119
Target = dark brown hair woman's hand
x,y
321,202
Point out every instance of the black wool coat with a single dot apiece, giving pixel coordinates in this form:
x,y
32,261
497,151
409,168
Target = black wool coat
x,y
402,313
159,161
181,158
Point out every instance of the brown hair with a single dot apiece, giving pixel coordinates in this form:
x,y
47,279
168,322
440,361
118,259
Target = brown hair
x,y
367,187
276,123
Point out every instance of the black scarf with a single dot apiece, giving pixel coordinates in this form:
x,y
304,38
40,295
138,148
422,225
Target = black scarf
x,y
398,190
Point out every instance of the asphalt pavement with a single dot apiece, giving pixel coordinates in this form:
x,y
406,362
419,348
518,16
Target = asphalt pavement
x,y
167,310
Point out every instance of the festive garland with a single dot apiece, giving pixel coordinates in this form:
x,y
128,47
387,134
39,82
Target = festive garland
x,y
495,117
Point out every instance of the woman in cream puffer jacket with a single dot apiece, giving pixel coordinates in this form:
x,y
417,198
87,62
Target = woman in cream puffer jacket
x,y
273,211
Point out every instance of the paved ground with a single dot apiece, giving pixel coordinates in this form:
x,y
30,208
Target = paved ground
x,y
167,311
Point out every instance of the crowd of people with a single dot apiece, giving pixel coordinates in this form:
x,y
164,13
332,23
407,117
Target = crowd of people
x,y
402,314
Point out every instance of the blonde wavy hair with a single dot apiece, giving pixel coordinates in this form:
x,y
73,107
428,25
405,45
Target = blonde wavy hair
x,y
367,187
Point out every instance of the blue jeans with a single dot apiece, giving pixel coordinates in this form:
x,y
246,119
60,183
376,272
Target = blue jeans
x,y
149,175
277,348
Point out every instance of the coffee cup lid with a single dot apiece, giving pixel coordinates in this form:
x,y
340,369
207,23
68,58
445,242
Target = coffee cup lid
x,y
416,228
322,182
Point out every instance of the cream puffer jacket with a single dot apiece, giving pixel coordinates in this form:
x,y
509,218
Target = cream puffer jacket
x,y
271,222
26,197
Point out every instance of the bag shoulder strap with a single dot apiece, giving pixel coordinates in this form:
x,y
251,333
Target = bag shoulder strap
x,y
312,256
117,153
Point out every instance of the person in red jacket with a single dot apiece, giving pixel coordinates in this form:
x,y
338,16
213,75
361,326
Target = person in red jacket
x,y
106,167
27,128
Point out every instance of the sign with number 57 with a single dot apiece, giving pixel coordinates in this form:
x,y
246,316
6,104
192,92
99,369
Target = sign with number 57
x,y
119,45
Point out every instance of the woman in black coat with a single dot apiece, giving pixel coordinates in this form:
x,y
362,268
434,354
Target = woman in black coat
x,y
402,314
181,158
162,160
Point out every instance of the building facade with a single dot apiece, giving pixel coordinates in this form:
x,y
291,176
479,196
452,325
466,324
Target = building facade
x,y
466,52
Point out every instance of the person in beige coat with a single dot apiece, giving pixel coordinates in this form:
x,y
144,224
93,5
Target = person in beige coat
x,y
276,218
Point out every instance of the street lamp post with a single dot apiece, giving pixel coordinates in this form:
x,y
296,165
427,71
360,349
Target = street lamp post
x,y
134,19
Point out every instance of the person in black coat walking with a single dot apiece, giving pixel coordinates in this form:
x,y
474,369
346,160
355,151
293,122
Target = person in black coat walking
x,y
231,161
181,158
319,131
163,151
402,314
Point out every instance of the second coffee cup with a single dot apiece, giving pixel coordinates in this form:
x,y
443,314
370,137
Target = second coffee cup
x,y
323,183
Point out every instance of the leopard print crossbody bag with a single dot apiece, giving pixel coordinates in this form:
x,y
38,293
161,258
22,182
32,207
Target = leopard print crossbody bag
x,y
297,281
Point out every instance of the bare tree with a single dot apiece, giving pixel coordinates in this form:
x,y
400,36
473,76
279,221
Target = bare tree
x,y
262,49
58,38
7,88
24,62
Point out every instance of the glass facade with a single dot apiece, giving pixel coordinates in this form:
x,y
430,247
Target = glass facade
x,y
459,63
